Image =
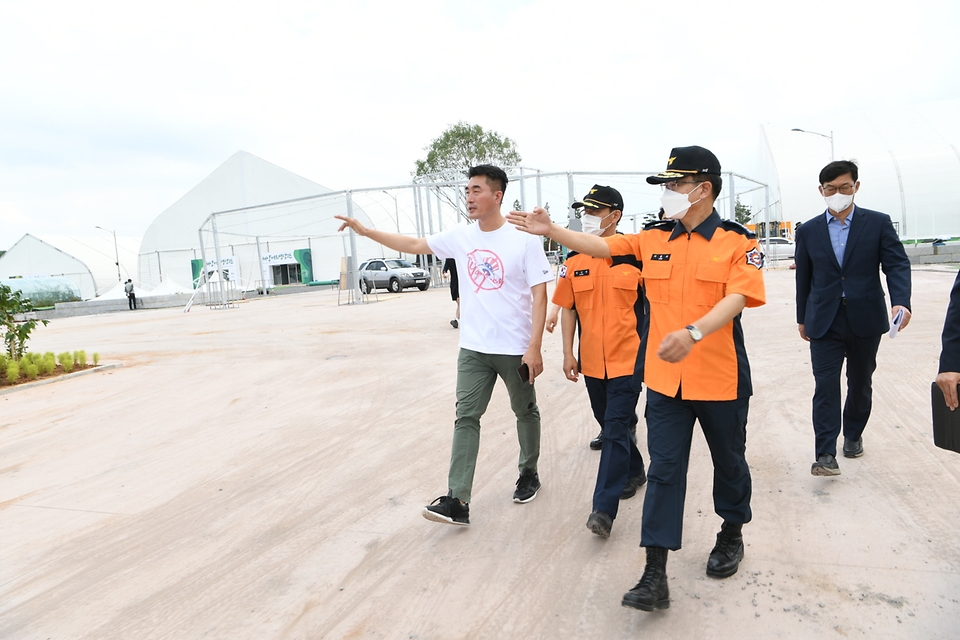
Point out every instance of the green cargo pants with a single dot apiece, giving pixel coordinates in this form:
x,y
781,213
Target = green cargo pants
x,y
476,375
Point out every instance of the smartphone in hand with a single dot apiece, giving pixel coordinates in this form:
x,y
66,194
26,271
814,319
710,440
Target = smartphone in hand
x,y
524,371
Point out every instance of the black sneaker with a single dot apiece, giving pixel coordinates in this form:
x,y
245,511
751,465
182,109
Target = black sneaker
x,y
826,465
600,523
634,483
454,323
449,511
597,443
527,487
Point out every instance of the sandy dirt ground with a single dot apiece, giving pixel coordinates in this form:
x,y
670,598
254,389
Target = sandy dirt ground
x,y
259,472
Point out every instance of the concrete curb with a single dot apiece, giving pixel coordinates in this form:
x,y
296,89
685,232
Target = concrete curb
x,y
37,383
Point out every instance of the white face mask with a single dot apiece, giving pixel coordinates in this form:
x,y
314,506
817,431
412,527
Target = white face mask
x,y
675,205
593,224
839,201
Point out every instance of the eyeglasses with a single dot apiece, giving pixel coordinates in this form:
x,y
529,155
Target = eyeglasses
x,y
845,189
672,185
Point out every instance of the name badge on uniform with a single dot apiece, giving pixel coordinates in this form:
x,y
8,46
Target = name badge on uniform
x,y
581,272
662,257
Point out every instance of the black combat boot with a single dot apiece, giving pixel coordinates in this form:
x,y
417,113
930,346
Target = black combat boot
x,y
652,591
727,553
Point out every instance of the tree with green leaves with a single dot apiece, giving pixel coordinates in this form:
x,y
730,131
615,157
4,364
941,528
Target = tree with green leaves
x,y
14,324
742,212
463,146
457,149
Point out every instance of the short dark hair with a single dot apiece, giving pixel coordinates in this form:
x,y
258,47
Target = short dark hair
x,y
716,183
492,174
838,168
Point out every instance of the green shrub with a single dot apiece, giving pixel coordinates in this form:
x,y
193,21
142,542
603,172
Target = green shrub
x,y
31,370
96,358
49,363
66,361
3,362
13,371
81,359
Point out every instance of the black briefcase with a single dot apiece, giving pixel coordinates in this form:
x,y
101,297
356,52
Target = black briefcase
x,y
946,423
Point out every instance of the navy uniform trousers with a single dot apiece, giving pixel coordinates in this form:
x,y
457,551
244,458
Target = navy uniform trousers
x,y
614,404
669,434
827,355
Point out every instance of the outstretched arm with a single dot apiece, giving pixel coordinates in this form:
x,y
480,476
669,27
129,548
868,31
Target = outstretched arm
x,y
538,223
395,241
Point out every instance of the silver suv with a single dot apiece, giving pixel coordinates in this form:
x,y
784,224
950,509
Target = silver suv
x,y
391,274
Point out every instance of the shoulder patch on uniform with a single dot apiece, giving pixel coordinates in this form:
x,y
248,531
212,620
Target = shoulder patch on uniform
x,y
736,227
664,225
755,258
562,273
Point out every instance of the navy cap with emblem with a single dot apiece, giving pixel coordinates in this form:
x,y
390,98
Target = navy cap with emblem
x,y
600,197
687,161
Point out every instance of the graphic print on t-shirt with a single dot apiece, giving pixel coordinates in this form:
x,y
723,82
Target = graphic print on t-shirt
x,y
485,269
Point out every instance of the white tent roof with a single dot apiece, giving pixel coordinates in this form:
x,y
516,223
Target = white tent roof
x,y
244,180
167,287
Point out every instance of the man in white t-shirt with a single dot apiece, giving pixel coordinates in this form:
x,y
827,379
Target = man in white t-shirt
x,y
503,276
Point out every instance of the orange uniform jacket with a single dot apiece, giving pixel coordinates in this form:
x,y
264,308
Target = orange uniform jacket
x,y
684,276
608,299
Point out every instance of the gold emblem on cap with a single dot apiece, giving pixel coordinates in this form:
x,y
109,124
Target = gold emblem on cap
x,y
670,161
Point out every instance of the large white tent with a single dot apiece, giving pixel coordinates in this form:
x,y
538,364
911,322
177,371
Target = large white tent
x,y
90,262
908,157
259,244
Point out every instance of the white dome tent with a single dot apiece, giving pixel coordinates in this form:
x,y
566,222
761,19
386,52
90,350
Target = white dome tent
x,y
261,243
90,262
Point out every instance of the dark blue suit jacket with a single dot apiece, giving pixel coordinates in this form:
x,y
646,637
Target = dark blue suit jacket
x,y
872,244
950,356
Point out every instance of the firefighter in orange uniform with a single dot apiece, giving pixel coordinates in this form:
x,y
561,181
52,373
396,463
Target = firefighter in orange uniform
x,y
699,272
604,296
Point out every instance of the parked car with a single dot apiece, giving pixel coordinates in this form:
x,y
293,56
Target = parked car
x,y
779,249
391,274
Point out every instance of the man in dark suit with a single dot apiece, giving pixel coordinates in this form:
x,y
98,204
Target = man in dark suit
x,y
949,375
841,309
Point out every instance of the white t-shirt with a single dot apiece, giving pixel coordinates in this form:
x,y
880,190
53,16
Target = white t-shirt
x,y
496,270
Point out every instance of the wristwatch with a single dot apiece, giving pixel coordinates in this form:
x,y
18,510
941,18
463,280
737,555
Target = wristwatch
x,y
695,333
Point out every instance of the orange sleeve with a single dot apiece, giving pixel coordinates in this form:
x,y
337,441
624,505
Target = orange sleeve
x,y
563,294
746,274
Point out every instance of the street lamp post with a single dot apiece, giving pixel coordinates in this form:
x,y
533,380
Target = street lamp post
x,y
822,135
116,252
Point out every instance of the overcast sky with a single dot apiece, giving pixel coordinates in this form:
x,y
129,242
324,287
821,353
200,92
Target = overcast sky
x,y
111,111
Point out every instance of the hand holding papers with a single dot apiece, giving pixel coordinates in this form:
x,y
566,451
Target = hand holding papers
x,y
897,321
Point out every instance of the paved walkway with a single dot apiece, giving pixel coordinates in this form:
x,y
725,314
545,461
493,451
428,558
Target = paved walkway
x,y
259,473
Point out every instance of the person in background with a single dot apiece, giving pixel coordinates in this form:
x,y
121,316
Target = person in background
x,y
131,294
603,298
841,309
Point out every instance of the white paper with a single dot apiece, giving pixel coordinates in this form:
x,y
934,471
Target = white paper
x,y
895,325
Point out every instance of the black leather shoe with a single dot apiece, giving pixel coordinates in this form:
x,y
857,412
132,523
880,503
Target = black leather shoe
x,y
727,553
852,448
634,483
652,591
600,523
597,443
826,465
